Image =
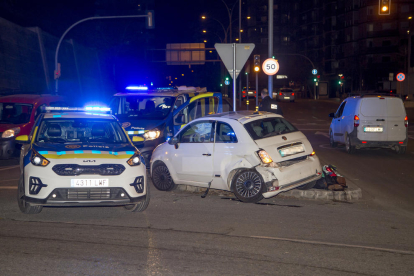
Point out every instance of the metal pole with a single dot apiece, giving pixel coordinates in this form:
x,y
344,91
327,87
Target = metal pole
x,y
247,88
80,21
270,35
234,76
257,91
240,81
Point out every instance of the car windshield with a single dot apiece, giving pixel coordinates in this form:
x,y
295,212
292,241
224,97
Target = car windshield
x,y
15,113
269,127
148,107
80,130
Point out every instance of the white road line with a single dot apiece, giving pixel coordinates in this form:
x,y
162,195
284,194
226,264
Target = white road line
x,y
338,245
8,168
8,187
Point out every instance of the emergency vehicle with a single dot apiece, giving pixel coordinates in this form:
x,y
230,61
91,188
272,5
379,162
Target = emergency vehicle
x,y
80,157
150,117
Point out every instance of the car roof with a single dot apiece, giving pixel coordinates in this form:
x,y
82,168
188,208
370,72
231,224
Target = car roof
x,y
78,115
162,93
244,116
26,98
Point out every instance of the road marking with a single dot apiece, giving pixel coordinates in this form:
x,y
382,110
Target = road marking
x,y
411,137
338,245
8,168
322,133
8,187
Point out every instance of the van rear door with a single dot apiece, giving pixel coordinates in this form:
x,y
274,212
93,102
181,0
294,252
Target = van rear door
x,y
395,120
372,119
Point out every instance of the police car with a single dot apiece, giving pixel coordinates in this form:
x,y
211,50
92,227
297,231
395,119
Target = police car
x,y
80,158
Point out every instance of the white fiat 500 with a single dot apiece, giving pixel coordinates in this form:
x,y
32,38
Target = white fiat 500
x,y
80,159
253,154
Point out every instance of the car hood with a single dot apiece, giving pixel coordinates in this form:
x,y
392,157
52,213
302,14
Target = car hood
x,y
138,124
273,144
4,127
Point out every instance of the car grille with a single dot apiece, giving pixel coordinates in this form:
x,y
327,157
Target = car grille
x,y
74,169
292,161
88,194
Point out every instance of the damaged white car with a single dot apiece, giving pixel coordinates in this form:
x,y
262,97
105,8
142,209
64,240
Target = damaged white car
x,y
255,155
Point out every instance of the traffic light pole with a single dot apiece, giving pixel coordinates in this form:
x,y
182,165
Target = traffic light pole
x,y
234,77
257,91
270,33
149,24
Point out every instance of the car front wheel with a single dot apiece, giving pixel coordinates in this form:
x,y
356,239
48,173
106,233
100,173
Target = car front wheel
x,y
248,186
161,178
24,206
141,206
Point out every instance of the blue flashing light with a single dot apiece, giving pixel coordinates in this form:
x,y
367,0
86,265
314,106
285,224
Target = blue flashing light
x,y
132,87
152,84
165,88
97,108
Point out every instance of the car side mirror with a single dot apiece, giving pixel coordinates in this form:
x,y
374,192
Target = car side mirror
x,y
22,139
332,115
179,120
173,141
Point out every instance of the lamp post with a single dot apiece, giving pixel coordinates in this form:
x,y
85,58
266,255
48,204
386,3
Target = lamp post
x,y
149,23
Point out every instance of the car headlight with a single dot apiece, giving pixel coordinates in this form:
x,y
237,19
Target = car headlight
x,y
152,134
264,156
38,160
11,132
135,159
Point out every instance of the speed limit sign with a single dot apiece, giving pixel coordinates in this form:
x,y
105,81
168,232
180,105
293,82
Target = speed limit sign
x,y
270,66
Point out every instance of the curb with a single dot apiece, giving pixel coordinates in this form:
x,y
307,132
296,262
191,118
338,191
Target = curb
x,y
350,194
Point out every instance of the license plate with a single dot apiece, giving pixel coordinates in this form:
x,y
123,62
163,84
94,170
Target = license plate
x,y
287,97
373,129
291,150
86,183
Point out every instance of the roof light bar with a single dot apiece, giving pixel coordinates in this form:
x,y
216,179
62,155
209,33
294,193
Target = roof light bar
x,y
87,108
132,87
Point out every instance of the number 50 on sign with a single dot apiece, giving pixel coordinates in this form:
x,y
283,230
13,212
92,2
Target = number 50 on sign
x,y
270,66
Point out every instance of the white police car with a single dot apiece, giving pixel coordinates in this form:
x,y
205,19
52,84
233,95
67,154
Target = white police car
x,y
80,159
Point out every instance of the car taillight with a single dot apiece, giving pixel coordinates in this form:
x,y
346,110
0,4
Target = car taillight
x,y
356,121
244,96
406,121
244,92
254,92
293,94
280,94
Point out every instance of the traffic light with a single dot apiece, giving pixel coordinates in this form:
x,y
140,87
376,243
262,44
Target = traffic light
x,y
341,79
384,7
256,63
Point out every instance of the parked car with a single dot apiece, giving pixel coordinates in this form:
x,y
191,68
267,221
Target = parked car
x,y
369,121
285,94
18,114
253,154
80,159
151,116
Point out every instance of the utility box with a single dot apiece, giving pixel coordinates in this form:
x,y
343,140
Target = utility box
x,y
323,90
185,54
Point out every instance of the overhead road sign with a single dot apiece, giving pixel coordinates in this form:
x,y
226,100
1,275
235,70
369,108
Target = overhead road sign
x,y
242,53
400,77
270,66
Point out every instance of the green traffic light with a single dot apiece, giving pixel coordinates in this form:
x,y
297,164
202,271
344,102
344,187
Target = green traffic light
x,y
314,79
339,82
221,84
227,78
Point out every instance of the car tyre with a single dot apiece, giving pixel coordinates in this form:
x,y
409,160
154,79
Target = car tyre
x,y
307,186
248,186
141,206
24,206
348,146
401,150
161,178
331,140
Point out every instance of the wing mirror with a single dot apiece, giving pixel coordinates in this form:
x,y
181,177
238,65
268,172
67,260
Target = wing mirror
x,y
173,141
332,115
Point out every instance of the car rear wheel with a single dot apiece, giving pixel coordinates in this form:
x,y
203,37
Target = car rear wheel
x,y
24,206
348,146
400,149
307,186
331,140
161,178
248,186
141,206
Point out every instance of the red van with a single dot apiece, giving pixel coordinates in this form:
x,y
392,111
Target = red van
x,y
17,116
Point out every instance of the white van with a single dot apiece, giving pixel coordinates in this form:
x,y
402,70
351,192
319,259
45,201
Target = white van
x,y
370,121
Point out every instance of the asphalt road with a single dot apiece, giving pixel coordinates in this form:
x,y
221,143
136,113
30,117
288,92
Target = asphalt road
x,y
182,234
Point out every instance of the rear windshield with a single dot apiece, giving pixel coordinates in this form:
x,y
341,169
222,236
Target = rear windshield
x,y
382,106
269,127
